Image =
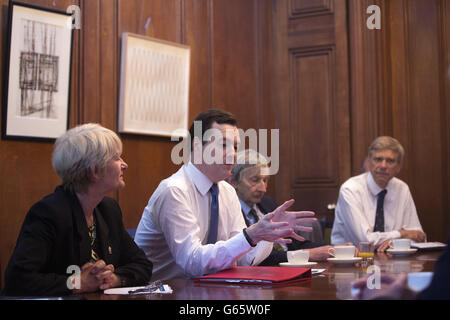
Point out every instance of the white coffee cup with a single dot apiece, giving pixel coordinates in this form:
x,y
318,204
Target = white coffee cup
x,y
400,244
418,281
298,257
342,252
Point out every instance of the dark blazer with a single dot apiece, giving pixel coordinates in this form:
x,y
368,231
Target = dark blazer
x,y
439,288
55,236
266,205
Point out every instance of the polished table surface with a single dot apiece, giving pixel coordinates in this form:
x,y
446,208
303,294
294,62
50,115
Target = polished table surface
x,y
333,284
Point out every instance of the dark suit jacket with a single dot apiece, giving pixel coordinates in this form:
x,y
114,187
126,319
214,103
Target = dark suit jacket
x,y
55,236
439,288
266,205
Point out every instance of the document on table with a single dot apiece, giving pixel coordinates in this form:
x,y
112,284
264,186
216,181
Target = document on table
x,y
428,245
317,271
258,275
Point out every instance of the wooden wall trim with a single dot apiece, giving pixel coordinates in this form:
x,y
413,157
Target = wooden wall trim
x,y
76,80
444,21
258,59
298,9
210,26
400,73
91,56
369,109
328,176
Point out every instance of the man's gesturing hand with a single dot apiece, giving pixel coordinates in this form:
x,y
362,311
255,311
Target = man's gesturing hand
x,y
294,219
280,224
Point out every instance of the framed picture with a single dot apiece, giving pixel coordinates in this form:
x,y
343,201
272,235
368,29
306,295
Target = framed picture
x,y
38,69
154,89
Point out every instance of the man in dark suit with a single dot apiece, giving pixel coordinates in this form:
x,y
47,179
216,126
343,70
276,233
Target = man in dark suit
x,y
249,177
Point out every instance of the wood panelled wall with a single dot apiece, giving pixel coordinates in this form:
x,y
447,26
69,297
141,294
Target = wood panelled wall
x,y
400,86
310,68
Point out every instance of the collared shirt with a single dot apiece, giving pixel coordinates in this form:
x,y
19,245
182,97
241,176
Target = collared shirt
x,y
246,210
356,210
174,227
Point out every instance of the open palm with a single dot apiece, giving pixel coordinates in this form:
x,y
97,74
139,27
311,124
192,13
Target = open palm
x,y
295,219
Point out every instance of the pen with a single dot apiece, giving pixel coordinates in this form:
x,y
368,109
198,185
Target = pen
x,y
148,289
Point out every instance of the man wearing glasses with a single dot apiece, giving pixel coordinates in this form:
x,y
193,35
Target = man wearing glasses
x,y
375,206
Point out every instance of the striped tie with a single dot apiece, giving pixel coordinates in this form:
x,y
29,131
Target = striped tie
x,y
252,216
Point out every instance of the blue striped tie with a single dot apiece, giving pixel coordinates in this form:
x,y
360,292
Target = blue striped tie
x,y
379,218
214,220
252,216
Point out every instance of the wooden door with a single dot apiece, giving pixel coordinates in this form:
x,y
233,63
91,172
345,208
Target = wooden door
x,y
311,101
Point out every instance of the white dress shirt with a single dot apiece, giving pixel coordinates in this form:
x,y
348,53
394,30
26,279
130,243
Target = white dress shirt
x,y
173,230
356,210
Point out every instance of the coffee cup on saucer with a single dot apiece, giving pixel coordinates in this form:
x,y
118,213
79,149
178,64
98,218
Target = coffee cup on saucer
x,y
342,252
400,244
298,257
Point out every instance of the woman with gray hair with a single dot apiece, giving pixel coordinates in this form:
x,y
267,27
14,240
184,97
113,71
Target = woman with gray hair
x,y
73,240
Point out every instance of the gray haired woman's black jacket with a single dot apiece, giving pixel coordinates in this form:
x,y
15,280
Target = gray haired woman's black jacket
x,y
54,236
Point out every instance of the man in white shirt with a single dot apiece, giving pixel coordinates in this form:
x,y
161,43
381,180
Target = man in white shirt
x,y
177,230
375,206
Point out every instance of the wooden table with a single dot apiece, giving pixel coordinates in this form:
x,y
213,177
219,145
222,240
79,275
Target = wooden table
x,y
333,284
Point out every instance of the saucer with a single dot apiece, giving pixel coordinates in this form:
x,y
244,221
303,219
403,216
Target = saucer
x,y
401,252
344,261
303,265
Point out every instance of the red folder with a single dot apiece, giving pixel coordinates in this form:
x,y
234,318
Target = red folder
x,y
258,275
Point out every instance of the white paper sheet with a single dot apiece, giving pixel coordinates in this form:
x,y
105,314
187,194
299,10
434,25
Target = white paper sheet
x,y
428,245
317,271
167,289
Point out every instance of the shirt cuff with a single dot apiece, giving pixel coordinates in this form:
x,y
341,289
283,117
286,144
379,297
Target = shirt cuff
x,y
239,243
395,235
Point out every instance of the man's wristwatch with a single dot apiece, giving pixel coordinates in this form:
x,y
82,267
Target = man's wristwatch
x,y
249,240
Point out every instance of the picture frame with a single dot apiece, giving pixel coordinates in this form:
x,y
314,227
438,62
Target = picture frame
x,y
37,73
154,87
